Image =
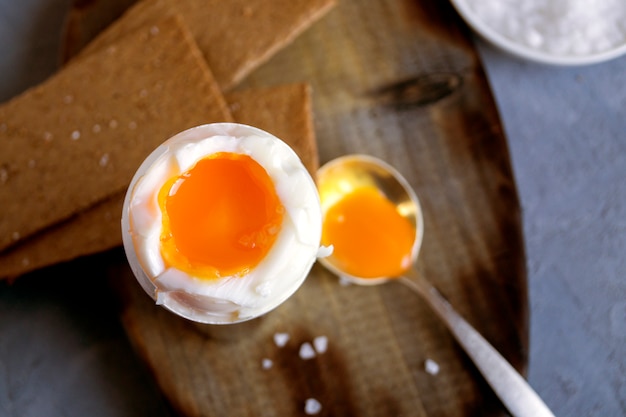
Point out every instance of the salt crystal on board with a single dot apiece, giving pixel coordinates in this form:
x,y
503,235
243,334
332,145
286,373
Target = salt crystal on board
x,y
431,367
312,406
281,339
306,351
321,344
267,363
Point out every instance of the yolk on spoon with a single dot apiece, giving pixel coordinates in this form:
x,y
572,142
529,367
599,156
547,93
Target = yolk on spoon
x,y
220,218
370,238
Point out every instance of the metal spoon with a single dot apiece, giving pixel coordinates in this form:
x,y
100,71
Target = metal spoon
x,y
340,176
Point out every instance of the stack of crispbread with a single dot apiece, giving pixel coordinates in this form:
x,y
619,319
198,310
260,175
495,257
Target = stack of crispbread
x,y
69,147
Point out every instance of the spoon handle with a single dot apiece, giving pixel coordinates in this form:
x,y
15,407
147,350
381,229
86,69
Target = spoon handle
x,y
512,389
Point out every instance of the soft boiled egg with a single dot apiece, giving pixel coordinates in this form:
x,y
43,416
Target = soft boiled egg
x,y
221,223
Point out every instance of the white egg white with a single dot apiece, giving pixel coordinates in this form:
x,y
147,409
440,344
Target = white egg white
x,y
228,299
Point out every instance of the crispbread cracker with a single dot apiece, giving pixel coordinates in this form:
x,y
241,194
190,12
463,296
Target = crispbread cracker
x,y
95,230
284,111
235,36
78,138
140,14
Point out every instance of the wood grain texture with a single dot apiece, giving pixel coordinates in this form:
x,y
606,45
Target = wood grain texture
x,y
453,152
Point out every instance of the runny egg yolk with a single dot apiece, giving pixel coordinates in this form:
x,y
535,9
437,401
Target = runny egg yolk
x,y
220,218
370,238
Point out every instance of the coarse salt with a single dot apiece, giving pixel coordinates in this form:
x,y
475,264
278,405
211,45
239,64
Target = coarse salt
x,y
558,27
267,363
321,344
281,339
104,160
306,351
312,406
431,367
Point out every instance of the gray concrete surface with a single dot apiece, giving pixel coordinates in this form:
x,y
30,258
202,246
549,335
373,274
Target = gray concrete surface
x,y
566,129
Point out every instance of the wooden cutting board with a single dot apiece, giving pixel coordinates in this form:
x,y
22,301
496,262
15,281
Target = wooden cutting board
x,y
374,72
454,153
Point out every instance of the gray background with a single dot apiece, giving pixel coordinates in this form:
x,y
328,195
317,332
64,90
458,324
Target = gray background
x,y
61,355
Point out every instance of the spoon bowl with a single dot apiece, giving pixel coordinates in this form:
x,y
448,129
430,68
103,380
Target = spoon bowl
x,y
339,178
345,174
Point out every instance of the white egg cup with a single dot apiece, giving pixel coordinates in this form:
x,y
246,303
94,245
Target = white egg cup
x,y
269,284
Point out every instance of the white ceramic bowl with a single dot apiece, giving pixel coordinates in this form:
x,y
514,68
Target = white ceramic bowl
x,y
518,48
